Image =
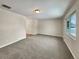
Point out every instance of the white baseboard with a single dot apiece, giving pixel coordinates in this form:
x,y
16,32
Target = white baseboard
x,y
70,50
7,44
51,35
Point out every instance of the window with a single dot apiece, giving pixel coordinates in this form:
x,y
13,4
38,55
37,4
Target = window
x,y
71,24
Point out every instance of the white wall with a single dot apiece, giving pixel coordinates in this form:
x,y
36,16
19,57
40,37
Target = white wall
x,y
73,45
11,27
31,26
50,27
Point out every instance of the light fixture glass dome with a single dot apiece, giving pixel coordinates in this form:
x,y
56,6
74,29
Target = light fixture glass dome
x,y
36,11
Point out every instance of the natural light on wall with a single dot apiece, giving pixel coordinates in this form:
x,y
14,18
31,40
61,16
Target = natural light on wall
x,y
71,24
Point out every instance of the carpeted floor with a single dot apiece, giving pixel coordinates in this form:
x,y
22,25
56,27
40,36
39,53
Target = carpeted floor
x,y
37,47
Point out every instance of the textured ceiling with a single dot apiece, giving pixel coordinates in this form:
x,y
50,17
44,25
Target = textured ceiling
x,y
48,8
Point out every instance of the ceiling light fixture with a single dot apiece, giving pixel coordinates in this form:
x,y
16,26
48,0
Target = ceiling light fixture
x,y
36,11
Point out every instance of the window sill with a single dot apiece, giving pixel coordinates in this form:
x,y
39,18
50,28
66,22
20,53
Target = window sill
x,y
71,36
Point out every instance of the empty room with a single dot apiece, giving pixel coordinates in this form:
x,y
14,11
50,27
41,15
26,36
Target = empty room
x,y
39,29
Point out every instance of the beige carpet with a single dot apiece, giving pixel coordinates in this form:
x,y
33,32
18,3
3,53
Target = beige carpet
x,y
37,47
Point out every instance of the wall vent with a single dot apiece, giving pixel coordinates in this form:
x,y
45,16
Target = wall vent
x,y
5,6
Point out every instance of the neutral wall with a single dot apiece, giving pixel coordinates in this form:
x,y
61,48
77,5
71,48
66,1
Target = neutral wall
x,y
50,27
73,45
12,27
31,26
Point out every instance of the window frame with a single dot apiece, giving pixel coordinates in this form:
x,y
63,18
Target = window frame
x,y
67,30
